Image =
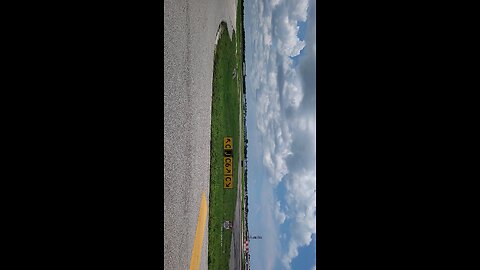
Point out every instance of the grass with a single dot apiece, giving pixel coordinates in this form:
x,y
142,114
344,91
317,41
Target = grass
x,y
225,122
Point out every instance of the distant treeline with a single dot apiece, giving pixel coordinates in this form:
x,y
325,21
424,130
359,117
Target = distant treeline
x,y
244,112
244,85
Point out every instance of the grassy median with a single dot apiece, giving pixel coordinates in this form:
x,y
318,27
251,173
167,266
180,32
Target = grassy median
x,y
225,122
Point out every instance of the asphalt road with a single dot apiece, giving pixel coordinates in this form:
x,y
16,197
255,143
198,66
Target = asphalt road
x,y
189,36
236,248
235,262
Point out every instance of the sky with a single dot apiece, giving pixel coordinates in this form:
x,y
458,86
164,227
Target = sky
x,y
280,52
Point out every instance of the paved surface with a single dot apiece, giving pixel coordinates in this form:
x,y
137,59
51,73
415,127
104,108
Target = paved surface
x,y
236,248
189,36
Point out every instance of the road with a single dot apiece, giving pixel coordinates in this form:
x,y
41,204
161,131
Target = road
x,y
189,36
236,248
237,230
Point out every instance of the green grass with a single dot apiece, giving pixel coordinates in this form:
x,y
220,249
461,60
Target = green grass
x,y
225,122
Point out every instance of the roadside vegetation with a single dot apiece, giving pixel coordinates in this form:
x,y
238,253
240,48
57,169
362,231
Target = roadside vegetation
x,y
240,40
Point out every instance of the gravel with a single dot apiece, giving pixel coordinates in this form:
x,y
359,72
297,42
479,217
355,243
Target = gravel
x,y
189,37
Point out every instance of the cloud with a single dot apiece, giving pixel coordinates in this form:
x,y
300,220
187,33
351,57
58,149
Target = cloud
x,y
279,215
285,28
307,66
301,199
285,95
268,215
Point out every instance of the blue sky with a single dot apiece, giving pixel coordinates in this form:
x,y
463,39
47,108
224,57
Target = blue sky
x,y
280,54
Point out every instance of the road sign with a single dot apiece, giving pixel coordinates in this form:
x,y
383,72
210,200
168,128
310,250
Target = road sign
x,y
227,143
227,181
228,170
227,160
227,166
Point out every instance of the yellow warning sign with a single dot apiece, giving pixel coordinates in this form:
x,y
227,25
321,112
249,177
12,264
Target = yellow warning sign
x,y
227,166
228,170
228,160
227,143
227,181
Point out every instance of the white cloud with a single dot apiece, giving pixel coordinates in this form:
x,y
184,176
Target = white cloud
x,y
274,3
279,215
285,26
301,197
288,43
268,214
298,10
285,94
292,92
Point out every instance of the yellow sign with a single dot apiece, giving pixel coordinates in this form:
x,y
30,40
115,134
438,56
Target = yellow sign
x,y
227,166
227,143
227,181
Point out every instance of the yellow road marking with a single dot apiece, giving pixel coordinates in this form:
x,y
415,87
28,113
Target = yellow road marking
x,y
197,244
